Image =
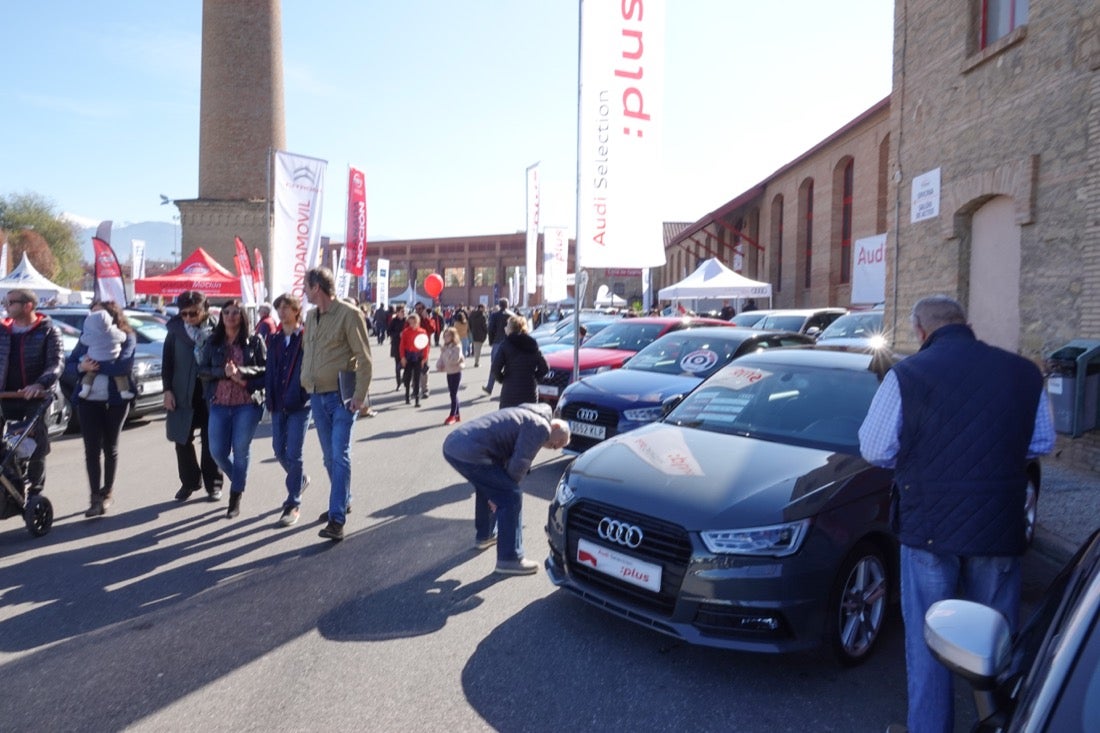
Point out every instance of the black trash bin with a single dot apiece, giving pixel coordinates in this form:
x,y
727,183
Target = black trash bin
x,y
1073,386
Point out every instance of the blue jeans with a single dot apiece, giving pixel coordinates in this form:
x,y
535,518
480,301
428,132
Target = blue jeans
x,y
288,436
492,357
334,421
492,483
926,578
231,429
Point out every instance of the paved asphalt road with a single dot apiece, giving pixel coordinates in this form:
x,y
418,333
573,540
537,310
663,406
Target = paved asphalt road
x,y
168,617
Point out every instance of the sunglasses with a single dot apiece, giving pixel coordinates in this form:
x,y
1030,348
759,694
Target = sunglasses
x,y
233,312
190,313
17,302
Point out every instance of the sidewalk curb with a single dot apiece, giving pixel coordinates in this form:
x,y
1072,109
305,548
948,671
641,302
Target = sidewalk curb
x,y
1051,545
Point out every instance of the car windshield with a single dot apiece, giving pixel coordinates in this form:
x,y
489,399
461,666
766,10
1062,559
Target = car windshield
x,y
800,405
750,318
780,323
626,335
853,325
148,328
685,353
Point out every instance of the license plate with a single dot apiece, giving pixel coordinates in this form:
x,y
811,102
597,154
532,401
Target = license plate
x,y
618,565
585,430
546,390
151,387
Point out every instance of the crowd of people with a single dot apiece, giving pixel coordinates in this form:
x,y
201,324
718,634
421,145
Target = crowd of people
x,y
221,372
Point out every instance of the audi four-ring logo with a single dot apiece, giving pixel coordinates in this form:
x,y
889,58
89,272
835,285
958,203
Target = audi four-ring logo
x,y
620,533
588,415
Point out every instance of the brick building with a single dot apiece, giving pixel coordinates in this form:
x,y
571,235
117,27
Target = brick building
x,y
1002,100
795,229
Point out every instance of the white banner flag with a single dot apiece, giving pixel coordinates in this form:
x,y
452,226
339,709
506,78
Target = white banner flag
x,y
137,259
869,270
619,134
555,262
296,233
533,210
382,285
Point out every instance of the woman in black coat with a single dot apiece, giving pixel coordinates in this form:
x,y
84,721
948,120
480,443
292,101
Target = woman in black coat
x,y
393,330
519,365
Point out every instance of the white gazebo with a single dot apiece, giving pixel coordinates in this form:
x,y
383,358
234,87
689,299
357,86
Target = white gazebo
x,y
25,277
714,281
410,298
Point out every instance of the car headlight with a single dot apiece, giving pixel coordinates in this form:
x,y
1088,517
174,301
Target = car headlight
x,y
644,414
778,540
141,368
563,494
591,372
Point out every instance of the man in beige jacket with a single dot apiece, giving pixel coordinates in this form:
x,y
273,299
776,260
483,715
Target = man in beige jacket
x,y
336,372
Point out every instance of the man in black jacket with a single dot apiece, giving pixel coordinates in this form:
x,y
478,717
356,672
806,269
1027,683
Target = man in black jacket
x,y
498,322
32,357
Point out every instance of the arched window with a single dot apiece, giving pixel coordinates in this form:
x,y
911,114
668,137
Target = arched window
x,y
806,232
842,191
777,243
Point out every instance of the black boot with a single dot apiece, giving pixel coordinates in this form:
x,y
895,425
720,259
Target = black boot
x,y
97,507
234,505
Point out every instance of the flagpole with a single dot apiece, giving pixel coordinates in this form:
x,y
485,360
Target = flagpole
x,y
577,272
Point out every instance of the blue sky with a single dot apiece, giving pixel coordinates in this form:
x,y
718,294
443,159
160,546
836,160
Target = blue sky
x,y
443,103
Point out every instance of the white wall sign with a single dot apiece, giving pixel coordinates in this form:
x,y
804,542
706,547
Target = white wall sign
x,y
869,270
925,202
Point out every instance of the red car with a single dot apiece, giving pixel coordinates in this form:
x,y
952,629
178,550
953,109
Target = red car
x,y
610,348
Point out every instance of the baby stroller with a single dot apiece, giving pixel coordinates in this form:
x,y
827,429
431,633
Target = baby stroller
x,y
16,447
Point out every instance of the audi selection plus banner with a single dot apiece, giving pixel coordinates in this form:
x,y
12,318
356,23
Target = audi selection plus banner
x,y
296,232
619,134
137,258
533,202
555,264
357,222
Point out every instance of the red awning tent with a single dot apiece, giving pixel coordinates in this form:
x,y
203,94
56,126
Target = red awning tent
x,y
199,272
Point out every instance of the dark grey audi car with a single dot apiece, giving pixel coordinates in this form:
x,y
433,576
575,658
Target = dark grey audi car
x,y
746,519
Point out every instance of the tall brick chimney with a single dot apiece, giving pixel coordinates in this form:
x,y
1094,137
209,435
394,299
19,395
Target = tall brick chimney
x,y
241,121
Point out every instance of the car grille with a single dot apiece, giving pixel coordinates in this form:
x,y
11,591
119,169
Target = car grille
x,y
665,544
609,419
558,378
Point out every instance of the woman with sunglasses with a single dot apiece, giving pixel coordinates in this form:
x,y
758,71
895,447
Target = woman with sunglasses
x,y
232,366
183,398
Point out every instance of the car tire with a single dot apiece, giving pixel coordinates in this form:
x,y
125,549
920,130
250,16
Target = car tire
x,y
857,604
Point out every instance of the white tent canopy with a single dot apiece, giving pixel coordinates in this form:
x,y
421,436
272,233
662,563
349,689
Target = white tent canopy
x,y
604,298
25,277
712,279
410,298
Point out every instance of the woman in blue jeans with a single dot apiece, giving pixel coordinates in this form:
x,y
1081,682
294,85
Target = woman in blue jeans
x,y
287,402
231,366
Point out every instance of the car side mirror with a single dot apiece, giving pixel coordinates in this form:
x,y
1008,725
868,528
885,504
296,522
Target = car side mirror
x,y
973,641
668,404
813,331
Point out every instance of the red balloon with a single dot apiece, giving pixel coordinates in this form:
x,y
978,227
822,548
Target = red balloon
x,y
433,285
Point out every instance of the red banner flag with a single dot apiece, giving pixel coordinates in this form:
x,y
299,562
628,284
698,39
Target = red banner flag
x,y
108,274
258,272
244,272
357,222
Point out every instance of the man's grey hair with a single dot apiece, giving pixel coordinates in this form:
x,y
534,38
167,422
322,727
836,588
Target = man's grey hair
x,y
937,310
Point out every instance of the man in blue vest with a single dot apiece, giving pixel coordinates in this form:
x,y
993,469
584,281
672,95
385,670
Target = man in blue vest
x,y
958,421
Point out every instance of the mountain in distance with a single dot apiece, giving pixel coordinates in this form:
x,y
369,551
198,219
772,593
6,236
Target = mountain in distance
x,y
161,238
